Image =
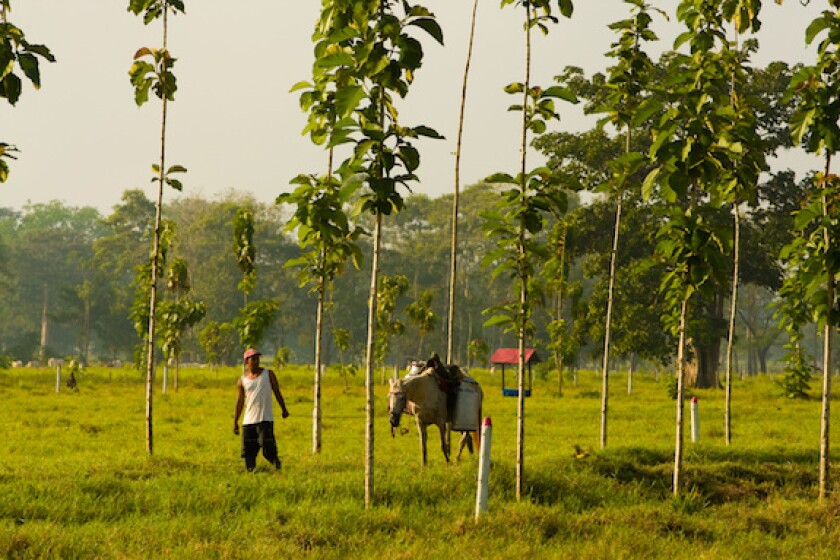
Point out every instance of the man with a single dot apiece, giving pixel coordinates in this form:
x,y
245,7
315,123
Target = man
x,y
255,388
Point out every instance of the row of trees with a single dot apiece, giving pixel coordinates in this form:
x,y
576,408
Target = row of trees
x,y
703,152
86,263
685,144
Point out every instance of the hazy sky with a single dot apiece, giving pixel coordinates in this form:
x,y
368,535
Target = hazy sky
x,y
234,124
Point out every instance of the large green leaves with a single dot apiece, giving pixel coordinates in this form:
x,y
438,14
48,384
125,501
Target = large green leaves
x,y
152,70
16,54
322,227
253,321
153,9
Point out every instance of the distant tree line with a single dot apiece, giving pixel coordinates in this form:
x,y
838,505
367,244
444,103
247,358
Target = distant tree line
x,y
68,278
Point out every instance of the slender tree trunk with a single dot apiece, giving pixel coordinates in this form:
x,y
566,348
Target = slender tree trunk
x,y
605,366
558,354
678,447
727,421
150,343
523,273
453,264
86,334
733,303
319,329
369,366
42,350
825,460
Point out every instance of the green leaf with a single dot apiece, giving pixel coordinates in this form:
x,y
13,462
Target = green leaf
x,y
815,28
427,132
10,88
430,26
561,93
498,320
500,178
649,184
347,99
42,51
800,122
29,65
566,7
300,85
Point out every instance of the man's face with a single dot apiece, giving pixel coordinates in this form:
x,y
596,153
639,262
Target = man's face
x,y
253,363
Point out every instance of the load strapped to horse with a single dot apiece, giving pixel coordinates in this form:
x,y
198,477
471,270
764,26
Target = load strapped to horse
x,y
441,395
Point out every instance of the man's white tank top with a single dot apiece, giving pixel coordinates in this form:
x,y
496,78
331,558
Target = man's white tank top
x,y
257,399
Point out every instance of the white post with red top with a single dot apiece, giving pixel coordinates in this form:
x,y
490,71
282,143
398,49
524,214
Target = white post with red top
x,y
695,421
483,468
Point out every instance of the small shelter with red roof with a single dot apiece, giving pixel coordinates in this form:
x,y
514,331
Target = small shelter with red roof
x,y
510,356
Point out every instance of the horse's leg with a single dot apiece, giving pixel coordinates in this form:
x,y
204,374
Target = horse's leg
x,y
444,439
465,441
421,431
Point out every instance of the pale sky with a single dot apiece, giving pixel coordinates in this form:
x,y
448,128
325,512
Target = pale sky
x,y
235,125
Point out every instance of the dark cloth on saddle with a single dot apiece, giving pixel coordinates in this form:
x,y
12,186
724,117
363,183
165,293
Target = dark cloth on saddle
x,y
448,378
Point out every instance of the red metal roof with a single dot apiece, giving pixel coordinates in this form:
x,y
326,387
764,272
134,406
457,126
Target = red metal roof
x,y
511,356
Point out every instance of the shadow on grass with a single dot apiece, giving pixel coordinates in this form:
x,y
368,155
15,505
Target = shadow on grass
x,y
623,476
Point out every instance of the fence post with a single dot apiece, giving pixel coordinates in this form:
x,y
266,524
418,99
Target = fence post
x,y
695,421
483,468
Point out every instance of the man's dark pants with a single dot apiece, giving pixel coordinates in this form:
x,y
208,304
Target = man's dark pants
x,y
256,437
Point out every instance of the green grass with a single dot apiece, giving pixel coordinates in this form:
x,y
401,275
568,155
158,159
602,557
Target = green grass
x,y
76,482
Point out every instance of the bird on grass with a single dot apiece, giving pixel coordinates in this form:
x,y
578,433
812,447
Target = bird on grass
x,y
582,452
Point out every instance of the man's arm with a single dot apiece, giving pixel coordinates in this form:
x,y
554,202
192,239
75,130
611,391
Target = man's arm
x,y
240,403
276,388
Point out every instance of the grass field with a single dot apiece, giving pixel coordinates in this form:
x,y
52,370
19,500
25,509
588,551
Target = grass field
x,y
76,482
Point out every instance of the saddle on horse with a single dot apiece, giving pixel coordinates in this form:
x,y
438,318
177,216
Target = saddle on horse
x,y
448,378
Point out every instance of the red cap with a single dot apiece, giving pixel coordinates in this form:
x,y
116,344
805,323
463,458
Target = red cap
x,y
693,399
487,421
250,353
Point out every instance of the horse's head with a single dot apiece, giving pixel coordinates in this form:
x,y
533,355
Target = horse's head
x,y
396,403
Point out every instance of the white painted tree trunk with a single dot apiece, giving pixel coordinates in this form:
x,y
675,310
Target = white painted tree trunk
x,y
825,417
316,398
678,446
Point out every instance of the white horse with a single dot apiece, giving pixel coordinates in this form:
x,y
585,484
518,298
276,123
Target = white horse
x,y
422,396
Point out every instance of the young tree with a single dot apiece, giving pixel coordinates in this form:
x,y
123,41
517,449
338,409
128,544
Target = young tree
x,y
320,219
420,313
813,256
697,153
254,317
743,14
243,248
390,289
324,229
453,257
520,215
178,314
152,70
627,86
385,58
